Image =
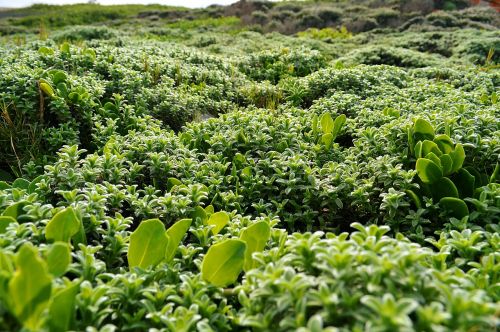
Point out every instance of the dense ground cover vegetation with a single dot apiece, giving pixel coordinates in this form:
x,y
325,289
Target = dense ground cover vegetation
x,y
184,170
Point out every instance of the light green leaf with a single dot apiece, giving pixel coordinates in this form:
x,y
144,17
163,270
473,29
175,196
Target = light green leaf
x,y
15,209
428,171
172,182
63,225
458,157
255,237
444,143
62,308
423,130
446,163
148,244
326,123
5,222
46,88
327,140
29,289
219,220
430,146
175,234
337,125
58,258
223,262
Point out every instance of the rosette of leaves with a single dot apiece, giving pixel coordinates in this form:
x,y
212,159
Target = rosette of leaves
x,y
440,170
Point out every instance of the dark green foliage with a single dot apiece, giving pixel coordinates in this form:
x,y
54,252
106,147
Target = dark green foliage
x,y
192,176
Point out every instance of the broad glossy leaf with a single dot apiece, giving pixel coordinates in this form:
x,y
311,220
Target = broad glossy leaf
x,y
337,124
255,237
47,88
455,206
458,157
465,183
327,140
446,163
62,308
423,130
434,158
4,185
175,234
200,215
444,143
58,258
443,187
15,209
430,146
30,288
223,262
148,244
218,220
172,182
5,221
45,51
418,150
428,171
21,183
63,225
326,123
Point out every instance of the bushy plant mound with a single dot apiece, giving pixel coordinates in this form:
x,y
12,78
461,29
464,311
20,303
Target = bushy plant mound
x,y
165,180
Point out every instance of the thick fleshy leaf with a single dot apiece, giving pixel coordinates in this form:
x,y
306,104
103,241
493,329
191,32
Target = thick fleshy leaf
x,y
172,182
326,123
58,258
148,244
199,215
430,146
29,289
444,143
223,262
443,187
428,171
337,124
218,220
175,234
465,183
255,237
63,225
62,308
5,222
446,164
455,206
434,158
327,140
46,88
14,210
418,150
423,130
458,157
